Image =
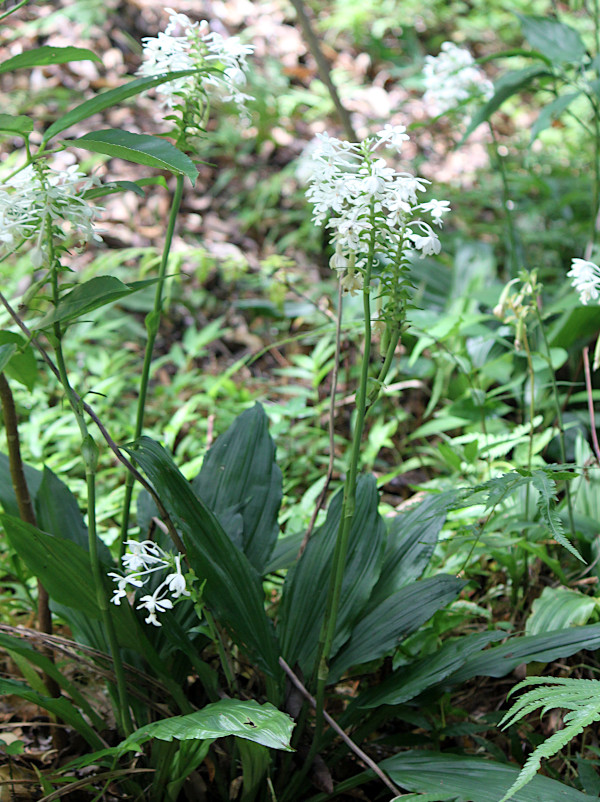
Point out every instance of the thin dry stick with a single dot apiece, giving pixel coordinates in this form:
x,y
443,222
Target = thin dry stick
x,y
332,405
110,442
590,400
324,69
336,727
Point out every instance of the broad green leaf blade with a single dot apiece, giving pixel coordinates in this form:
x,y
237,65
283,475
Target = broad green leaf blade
x,y
60,707
47,55
138,148
113,188
501,660
471,779
239,475
233,590
409,681
305,591
554,39
507,86
412,536
263,724
16,124
63,567
551,112
22,366
8,500
6,354
106,100
394,619
559,608
58,513
25,649
88,296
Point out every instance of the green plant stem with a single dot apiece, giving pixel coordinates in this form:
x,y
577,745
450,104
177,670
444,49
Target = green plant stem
x,y
506,201
89,449
531,415
559,418
347,516
152,326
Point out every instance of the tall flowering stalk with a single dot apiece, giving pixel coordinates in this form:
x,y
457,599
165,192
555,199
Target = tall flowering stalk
x,y
220,70
452,78
378,224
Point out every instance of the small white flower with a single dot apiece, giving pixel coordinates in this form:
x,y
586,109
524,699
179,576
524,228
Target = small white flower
x,y
395,135
429,244
154,606
176,582
352,283
437,209
143,555
585,279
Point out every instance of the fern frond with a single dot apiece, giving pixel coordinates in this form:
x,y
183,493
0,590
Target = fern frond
x,y
580,696
546,505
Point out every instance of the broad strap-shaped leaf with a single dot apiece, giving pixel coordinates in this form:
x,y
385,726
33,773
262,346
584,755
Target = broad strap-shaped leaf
x,y
305,591
506,86
559,608
60,707
471,779
23,648
412,536
47,55
263,724
7,352
16,124
63,567
138,148
408,682
106,100
21,365
232,590
90,295
394,619
544,648
57,512
553,39
240,481
8,500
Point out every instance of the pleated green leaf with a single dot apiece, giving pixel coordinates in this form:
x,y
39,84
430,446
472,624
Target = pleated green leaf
x,y
412,536
394,619
242,485
559,608
263,724
90,295
305,591
409,681
543,648
8,500
41,56
60,707
232,590
138,148
471,779
106,100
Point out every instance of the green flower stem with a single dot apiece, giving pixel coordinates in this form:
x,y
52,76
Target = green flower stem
x,y
531,415
89,451
512,233
347,516
394,338
152,325
559,418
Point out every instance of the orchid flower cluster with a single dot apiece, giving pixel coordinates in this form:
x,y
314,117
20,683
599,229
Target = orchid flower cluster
x,y
48,205
373,210
452,77
185,45
585,277
141,561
